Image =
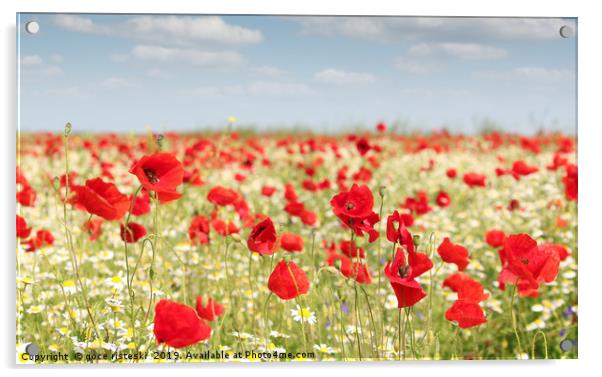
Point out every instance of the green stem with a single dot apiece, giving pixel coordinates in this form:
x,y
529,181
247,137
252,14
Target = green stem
x,y
513,317
545,344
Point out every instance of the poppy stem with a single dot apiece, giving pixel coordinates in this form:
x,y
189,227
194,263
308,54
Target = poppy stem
x,y
513,317
265,321
128,276
373,328
69,236
380,229
358,323
409,311
151,274
545,344
342,330
302,312
400,342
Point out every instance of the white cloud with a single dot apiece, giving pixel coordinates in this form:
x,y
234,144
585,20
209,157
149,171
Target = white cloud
x,y
35,65
469,51
416,66
432,28
268,71
257,89
157,73
72,91
56,58
335,76
197,29
543,74
178,30
119,58
116,83
31,61
218,91
51,70
272,88
186,55
78,23
539,75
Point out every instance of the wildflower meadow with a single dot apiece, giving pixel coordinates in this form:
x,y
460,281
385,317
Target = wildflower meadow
x,y
237,245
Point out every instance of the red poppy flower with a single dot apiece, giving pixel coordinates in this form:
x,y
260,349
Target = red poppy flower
x,y
552,248
381,127
467,288
362,225
133,233
22,230
359,272
402,276
27,196
160,172
557,162
527,265
474,180
453,253
20,177
193,177
451,173
94,228
291,242
352,270
198,231
349,249
232,228
443,199
466,313
495,237
341,262
289,193
399,233
356,203
309,217
262,238
363,146
141,204
222,196
513,205
43,238
570,181
268,191
294,208
178,325
219,226
419,204
209,312
520,167
288,281
102,199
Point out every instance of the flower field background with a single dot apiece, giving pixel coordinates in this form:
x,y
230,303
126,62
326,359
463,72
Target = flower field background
x,y
367,246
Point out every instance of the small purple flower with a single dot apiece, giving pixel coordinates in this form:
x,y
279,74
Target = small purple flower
x,y
567,312
345,308
562,333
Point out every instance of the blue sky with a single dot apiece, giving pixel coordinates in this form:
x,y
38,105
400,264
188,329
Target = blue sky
x,y
183,73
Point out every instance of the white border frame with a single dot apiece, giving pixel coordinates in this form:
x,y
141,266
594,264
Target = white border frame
x,y
589,152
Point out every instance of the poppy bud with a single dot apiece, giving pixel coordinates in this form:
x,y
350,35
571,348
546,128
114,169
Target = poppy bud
x,y
416,240
67,130
159,141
